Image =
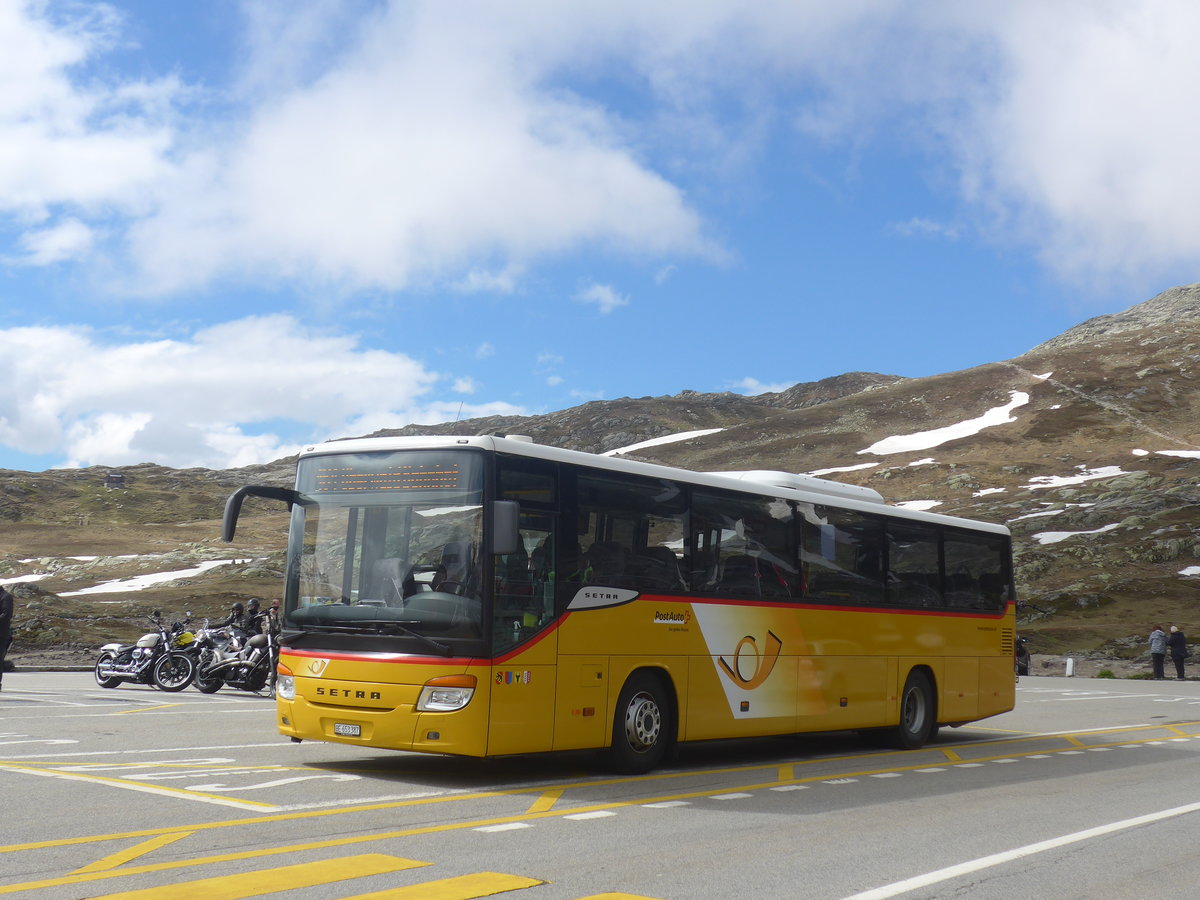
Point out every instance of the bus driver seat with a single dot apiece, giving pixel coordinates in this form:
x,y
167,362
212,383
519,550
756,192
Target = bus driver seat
x,y
387,581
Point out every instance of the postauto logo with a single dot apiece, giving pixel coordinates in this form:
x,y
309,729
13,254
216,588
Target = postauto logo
x,y
673,618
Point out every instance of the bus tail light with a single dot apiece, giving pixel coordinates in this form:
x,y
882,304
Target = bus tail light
x,y
446,693
285,683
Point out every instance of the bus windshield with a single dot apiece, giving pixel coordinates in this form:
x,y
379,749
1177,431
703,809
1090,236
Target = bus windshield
x,y
391,545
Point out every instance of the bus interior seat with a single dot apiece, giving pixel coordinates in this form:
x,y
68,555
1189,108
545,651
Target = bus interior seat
x,y
456,557
388,582
739,572
606,563
658,568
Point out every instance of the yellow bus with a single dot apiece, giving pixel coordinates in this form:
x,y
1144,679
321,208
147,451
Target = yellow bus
x,y
485,596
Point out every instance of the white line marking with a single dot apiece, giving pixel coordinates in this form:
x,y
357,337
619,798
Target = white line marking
x,y
275,744
666,804
511,826
221,788
144,788
922,881
597,814
730,796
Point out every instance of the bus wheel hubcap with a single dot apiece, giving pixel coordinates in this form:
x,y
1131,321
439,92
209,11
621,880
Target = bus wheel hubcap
x,y
643,722
914,710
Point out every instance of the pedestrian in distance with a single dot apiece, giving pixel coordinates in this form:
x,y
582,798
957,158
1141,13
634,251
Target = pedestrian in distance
x,y
1158,651
1177,644
6,615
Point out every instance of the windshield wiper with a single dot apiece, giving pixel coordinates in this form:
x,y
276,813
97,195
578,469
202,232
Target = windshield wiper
x,y
385,626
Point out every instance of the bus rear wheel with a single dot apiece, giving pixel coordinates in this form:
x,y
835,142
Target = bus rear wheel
x,y
918,714
641,725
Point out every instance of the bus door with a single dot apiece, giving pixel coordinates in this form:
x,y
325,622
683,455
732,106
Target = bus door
x,y
524,643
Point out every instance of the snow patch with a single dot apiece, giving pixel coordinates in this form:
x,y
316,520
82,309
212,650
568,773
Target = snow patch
x,y
665,439
925,440
141,582
1053,537
819,472
1039,482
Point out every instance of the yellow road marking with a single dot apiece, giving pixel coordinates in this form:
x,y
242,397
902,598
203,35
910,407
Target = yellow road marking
x,y
310,814
125,784
787,773
125,712
1071,739
462,887
951,755
430,829
269,881
120,858
546,801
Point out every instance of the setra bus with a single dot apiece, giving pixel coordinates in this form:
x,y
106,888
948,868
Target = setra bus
x,y
485,596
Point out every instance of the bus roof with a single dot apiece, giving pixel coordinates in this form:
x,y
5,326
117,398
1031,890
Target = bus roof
x,y
786,485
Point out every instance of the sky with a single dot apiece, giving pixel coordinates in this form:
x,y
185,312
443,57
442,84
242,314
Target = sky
x,y
231,229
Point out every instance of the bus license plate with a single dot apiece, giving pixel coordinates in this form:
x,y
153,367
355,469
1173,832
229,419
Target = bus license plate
x,y
347,730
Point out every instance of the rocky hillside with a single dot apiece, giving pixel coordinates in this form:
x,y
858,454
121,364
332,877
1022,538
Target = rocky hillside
x,y
1088,446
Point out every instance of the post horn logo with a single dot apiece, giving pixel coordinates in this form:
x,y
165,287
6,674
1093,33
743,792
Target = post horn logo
x,y
740,671
316,666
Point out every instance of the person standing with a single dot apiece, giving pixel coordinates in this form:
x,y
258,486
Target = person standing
x,y
1177,644
1158,651
6,615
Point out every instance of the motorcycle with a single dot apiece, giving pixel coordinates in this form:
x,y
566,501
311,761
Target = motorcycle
x,y
159,658
241,661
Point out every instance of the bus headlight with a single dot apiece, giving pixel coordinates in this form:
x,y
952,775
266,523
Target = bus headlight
x,y
446,693
285,683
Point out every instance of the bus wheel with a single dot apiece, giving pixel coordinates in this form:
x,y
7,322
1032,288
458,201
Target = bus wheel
x,y
641,725
917,712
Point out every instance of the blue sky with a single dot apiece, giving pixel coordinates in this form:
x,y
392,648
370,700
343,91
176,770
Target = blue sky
x,y
231,229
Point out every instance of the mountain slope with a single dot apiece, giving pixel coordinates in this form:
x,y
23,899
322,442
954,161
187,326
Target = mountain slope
x,y
1088,446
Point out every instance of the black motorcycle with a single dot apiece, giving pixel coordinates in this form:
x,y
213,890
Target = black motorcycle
x,y
159,658
227,657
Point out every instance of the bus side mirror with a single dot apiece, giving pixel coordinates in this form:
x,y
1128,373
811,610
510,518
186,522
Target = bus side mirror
x,y
506,533
233,506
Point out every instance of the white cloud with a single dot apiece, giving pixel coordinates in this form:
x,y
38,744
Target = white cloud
x,y
202,400
927,228
554,380
465,385
753,386
73,144
69,239
604,296
378,145
1075,138
485,350
478,281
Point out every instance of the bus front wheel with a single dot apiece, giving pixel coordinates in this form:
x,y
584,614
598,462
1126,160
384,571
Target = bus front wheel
x,y
641,725
918,714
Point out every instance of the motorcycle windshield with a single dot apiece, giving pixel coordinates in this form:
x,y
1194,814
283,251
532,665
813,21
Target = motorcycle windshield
x,y
391,545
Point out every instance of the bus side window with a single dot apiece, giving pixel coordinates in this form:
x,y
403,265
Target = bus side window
x,y
843,553
751,541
